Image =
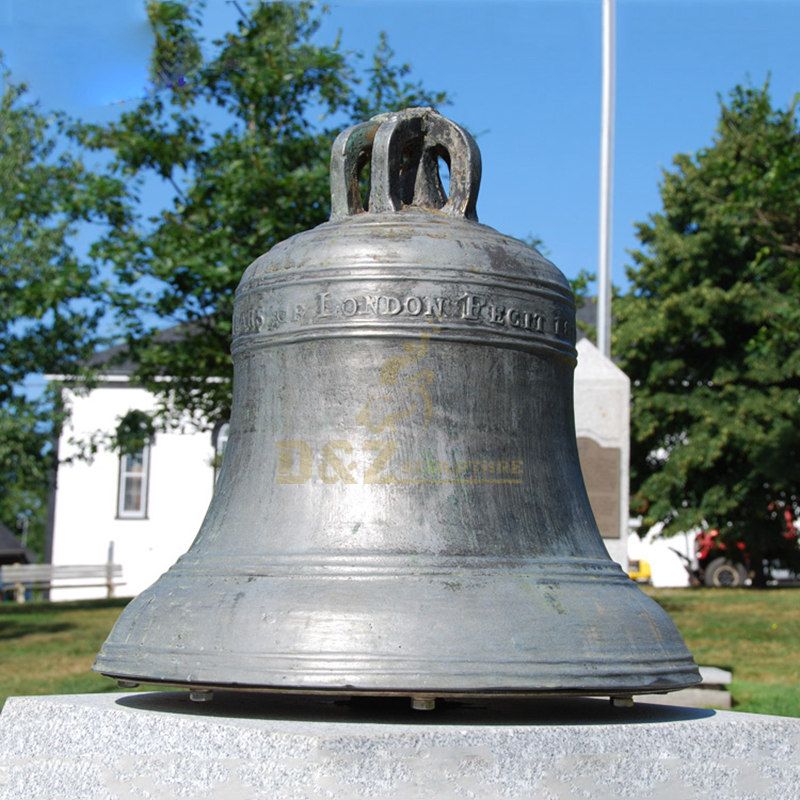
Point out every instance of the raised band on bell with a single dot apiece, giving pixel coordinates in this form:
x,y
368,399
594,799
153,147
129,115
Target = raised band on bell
x,y
401,508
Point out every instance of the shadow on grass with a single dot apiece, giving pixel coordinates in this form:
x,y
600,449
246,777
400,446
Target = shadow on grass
x,y
13,629
46,607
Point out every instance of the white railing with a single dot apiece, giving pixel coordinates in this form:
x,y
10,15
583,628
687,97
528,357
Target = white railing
x,y
21,577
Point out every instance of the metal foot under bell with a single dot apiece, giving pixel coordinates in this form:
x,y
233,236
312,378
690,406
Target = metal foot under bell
x,y
201,695
621,702
423,703
127,684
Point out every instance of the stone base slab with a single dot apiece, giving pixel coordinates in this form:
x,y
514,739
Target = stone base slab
x,y
162,745
696,697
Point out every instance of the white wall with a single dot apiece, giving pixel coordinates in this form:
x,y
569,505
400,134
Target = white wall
x,y
602,413
180,488
666,566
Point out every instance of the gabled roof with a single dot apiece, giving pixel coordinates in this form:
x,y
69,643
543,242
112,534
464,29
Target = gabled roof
x,y
11,548
116,360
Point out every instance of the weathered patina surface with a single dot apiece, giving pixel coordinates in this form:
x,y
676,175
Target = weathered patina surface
x,y
401,507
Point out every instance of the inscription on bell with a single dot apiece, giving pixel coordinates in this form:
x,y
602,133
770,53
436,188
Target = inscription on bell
x,y
468,308
382,305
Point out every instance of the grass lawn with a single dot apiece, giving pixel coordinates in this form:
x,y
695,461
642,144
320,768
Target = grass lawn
x,y
49,648
754,633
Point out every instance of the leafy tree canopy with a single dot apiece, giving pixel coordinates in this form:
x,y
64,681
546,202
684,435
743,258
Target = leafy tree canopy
x,y
709,333
241,130
51,300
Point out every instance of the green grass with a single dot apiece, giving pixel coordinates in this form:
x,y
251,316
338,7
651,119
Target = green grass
x,y
48,648
754,633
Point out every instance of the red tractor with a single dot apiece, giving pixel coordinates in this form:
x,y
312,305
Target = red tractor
x,y
728,564
719,564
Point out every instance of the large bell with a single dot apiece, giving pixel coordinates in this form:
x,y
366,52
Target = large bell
x,y
401,508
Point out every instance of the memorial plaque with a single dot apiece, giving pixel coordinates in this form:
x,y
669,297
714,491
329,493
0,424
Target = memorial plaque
x,y
601,467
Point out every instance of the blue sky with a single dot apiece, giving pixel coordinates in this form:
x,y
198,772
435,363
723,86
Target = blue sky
x,y
524,76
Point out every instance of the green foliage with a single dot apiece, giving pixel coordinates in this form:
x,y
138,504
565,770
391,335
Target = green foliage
x,y
50,299
134,431
709,334
580,286
243,137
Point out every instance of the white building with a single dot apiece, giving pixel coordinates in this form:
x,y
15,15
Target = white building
x,y
665,556
147,507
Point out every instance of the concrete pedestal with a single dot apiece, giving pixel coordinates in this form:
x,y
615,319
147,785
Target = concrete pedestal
x,y
161,745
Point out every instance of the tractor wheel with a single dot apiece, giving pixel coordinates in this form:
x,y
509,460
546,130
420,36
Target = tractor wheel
x,y
725,574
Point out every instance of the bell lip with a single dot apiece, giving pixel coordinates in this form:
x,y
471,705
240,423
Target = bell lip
x,y
603,690
622,665
646,676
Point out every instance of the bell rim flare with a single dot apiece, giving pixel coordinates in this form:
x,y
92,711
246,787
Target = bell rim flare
x,y
399,645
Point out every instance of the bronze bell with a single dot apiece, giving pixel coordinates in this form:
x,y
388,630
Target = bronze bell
x,y
401,508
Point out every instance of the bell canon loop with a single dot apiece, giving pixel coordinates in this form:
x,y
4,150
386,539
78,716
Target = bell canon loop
x,y
401,508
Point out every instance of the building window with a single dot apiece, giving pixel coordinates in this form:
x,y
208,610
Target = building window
x,y
219,440
134,470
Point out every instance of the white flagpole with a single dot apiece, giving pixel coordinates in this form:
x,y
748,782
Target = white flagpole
x,y
606,183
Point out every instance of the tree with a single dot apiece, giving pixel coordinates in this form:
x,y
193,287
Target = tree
x,y
709,333
51,299
241,133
